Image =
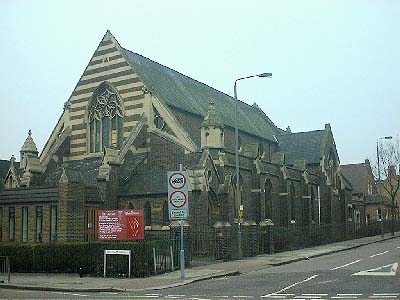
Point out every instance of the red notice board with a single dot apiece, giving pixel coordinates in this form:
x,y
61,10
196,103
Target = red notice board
x,y
117,225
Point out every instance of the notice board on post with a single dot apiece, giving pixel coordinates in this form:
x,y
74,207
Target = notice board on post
x,y
117,225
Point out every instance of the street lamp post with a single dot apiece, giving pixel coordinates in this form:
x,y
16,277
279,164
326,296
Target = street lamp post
x,y
238,194
379,178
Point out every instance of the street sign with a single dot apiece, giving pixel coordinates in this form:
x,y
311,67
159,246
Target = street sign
x,y
178,195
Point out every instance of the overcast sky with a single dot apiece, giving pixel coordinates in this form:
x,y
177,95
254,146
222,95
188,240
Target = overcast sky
x,y
334,62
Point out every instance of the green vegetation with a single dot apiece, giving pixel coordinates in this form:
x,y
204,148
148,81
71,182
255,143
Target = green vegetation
x,y
82,257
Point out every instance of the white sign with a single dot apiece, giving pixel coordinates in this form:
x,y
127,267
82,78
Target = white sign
x,y
120,252
178,214
123,252
177,180
178,195
178,199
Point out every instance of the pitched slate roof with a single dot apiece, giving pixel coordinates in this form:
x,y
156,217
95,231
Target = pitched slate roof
x,y
376,199
4,166
146,183
302,145
85,171
185,93
358,175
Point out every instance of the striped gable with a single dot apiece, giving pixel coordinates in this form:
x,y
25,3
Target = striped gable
x,y
106,64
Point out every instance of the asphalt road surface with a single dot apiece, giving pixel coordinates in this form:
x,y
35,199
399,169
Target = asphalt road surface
x,y
368,272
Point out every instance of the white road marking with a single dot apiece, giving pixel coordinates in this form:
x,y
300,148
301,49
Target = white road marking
x,y
141,296
220,296
316,295
151,294
344,297
383,297
379,254
327,281
379,272
349,294
243,296
353,262
292,285
387,294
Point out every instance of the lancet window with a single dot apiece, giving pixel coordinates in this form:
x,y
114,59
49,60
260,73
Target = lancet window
x,y
105,116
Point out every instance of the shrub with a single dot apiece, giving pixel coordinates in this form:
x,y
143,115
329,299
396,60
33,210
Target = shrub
x,y
69,257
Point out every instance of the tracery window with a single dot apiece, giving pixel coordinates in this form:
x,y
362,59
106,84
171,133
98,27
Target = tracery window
x,y
105,116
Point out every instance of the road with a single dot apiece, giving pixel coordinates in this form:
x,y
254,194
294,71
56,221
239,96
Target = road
x,y
368,272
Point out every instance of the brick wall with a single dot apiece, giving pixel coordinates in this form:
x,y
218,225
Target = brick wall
x,y
71,213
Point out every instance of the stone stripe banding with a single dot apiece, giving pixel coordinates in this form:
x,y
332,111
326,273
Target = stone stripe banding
x,y
78,136
75,110
96,75
81,145
78,152
79,108
115,84
105,43
99,61
129,107
105,77
81,116
79,142
135,117
109,63
79,126
106,51
129,128
106,68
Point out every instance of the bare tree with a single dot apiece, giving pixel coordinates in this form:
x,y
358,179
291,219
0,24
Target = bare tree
x,y
387,173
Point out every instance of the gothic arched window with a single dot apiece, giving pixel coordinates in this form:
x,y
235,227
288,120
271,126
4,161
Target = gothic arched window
x,y
105,117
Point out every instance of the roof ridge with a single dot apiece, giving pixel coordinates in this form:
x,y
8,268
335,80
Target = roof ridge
x,y
292,133
202,83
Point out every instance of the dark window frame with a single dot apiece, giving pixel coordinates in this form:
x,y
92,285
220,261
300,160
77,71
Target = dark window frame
x,y
25,224
39,221
11,220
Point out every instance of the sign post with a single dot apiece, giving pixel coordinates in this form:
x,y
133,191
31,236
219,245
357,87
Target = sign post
x,y
178,206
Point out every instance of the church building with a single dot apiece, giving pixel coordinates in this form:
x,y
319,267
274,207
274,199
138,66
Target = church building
x,y
128,121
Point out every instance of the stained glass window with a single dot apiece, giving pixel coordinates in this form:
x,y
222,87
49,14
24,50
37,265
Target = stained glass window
x,y
105,118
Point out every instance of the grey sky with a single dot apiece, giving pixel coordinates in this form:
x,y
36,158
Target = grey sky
x,y
332,61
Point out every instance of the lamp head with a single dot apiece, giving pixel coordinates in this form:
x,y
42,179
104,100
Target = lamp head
x,y
264,75
388,137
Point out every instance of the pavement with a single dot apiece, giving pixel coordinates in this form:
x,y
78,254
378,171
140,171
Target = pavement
x,y
203,271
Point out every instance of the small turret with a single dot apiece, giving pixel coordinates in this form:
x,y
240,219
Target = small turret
x,y
212,130
30,163
28,149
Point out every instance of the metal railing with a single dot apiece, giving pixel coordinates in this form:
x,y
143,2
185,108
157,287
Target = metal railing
x,y
4,269
166,256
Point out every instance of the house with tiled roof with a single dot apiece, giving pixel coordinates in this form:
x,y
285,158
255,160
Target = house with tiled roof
x,y
368,205
129,120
